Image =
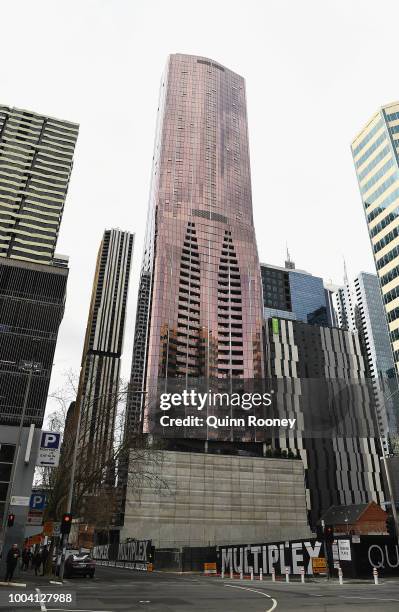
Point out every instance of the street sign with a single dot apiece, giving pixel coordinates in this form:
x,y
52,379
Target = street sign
x,y
19,500
37,501
344,549
57,529
49,449
356,539
34,518
319,565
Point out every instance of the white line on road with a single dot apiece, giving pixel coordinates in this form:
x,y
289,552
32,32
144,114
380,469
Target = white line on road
x,y
234,586
373,598
42,604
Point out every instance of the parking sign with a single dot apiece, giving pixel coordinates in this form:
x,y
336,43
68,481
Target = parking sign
x,y
37,501
49,449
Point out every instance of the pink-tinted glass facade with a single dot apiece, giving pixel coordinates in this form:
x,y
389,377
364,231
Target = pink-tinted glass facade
x,y
200,301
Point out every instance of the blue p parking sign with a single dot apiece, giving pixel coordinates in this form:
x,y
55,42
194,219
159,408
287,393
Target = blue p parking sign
x,y
49,449
50,439
37,501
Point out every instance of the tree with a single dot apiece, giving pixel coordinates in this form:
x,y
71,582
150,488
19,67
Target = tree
x,y
98,484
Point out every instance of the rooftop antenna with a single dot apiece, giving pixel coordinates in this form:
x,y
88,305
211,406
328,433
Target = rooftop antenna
x,y
346,281
289,263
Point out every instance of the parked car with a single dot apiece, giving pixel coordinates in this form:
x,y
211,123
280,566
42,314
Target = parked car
x,y
80,564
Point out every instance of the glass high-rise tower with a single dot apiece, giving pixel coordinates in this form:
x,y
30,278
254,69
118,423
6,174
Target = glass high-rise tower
x,y
375,153
200,302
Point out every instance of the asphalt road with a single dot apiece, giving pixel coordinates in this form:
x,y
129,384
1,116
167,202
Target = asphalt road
x,y
118,590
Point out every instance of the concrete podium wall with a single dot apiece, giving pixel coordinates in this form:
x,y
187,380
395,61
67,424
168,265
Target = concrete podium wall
x,y
216,499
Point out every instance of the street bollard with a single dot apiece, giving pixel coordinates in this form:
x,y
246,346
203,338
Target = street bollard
x,y
252,574
260,575
340,576
302,575
231,573
273,575
287,574
375,575
241,575
222,574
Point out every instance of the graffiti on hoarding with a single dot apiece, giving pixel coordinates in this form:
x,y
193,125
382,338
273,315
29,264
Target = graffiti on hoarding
x,y
297,555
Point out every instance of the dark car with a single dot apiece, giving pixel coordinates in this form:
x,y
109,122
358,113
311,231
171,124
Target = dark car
x,y
80,564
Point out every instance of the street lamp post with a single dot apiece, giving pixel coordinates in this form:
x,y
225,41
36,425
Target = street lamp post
x,y
31,367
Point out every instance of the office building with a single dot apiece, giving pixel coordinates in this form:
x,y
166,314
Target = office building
x,y
375,153
359,308
293,294
100,369
322,382
199,308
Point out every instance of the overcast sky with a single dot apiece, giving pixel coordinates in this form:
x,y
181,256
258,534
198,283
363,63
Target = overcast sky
x,y
315,70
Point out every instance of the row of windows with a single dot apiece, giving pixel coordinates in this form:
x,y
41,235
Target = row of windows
x,y
394,334
383,187
384,222
377,175
383,205
371,150
386,240
374,162
392,116
389,276
387,258
368,137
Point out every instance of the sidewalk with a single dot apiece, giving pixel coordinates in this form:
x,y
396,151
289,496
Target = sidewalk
x,y
28,579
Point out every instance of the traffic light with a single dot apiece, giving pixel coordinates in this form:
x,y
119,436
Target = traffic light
x,y
66,523
11,519
328,533
391,529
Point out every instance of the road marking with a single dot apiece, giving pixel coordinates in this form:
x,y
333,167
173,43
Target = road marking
x,y
234,586
358,597
42,604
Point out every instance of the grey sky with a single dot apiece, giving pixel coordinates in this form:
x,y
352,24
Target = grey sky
x,y
315,71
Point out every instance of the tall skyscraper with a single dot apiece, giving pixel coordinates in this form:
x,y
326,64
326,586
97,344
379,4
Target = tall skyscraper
x,y
359,308
375,153
36,154
199,306
35,165
293,294
100,370
320,368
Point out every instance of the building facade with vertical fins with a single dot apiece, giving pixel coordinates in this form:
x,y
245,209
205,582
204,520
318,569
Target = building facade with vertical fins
x,y
36,156
200,306
100,369
375,153
314,364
